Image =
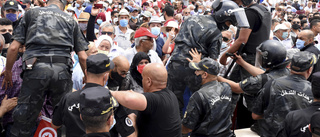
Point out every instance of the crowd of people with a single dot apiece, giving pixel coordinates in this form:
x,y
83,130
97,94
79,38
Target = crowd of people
x,y
176,68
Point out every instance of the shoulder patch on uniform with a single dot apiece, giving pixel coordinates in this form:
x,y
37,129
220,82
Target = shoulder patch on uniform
x,y
244,81
128,122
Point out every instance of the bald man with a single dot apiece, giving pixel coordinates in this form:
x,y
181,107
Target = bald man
x,y
118,73
158,107
307,37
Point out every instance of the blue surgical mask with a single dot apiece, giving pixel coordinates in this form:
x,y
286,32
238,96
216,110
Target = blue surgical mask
x,y
99,21
114,123
301,8
224,45
134,17
77,5
123,23
11,16
200,10
155,31
192,12
284,35
300,43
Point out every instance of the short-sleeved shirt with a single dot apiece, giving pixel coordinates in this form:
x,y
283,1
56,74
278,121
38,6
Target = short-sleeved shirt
x,y
210,109
297,122
48,31
280,96
123,39
161,118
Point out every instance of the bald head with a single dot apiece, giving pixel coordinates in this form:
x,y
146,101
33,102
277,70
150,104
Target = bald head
x,y
308,33
121,64
154,77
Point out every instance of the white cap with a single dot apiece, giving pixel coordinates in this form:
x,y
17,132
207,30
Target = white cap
x,y
280,27
155,19
172,24
124,12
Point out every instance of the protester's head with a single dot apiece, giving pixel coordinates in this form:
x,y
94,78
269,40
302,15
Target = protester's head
x,y
304,25
146,16
178,18
302,63
226,39
79,3
315,124
289,17
186,12
144,39
123,18
120,70
270,54
296,24
281,31
134,13
316,86
104,43
305,37
83,20
114,17
96,109
315,26
108,29
168,11
154,77
155,25
11,10
6,29
139,61
169,26
207,69
274,23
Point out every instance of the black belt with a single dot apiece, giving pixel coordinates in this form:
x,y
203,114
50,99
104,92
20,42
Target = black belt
x,y
52,59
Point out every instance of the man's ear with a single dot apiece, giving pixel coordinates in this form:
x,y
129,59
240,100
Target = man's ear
x,y
110,120
149,82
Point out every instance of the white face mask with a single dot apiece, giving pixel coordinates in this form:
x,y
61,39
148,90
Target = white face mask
x,y
113,123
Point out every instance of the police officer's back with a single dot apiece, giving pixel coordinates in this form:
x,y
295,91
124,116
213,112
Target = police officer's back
x,y
280,96
210,109
49,35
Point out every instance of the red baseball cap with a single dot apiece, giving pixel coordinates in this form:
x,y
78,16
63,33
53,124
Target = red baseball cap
x,y
143,32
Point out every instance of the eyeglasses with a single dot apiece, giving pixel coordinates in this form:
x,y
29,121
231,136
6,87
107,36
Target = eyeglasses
x,y
225,39
5,30
187,13
104,33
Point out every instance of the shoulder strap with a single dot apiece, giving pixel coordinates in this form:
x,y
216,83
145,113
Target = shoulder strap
x,y
258,9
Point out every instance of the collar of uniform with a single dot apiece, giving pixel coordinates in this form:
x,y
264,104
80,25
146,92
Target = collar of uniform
x,y
298,76
211,83
315,104
53,5
135,51
89,85
307,46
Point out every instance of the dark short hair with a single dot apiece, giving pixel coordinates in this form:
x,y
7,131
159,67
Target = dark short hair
x,y
314,22
169,10
5,21
113,12
303,22
95,123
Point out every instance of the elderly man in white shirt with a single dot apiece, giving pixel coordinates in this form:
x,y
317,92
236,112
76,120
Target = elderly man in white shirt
x,y
143,43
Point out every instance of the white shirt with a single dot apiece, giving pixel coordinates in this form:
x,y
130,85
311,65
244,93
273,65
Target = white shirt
x,y
115,51
123,39
3,61
129,54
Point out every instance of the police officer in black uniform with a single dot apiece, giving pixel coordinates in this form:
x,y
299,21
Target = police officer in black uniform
x,y
271,55
210,109
259,19
96,109
204,34
49,35
297,122
280,96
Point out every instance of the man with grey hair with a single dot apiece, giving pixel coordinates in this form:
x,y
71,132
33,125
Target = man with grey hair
x,y
143,43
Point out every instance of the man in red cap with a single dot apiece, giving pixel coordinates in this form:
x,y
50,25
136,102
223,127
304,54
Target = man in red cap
x,y
143,43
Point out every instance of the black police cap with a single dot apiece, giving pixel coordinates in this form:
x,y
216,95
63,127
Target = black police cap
x,y
99,63
11,5
206,64
96,101
302,61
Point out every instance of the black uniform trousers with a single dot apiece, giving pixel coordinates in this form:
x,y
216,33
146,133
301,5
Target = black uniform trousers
x,y
51,79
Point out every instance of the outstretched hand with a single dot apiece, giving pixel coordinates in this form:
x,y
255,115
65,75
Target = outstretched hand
x,y
196,56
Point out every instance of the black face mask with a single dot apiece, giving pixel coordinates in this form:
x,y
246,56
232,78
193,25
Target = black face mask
x,y
296,26
115,76
194,82
289,20
4,52
7,37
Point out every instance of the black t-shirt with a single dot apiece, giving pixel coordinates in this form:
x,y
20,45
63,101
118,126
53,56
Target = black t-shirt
x,y
161,118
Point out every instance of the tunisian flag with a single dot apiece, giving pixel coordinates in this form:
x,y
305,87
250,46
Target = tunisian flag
x,y
44,129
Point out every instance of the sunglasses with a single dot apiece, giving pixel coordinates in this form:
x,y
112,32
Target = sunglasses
x,y
296,22
225,39
104,33
187,13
